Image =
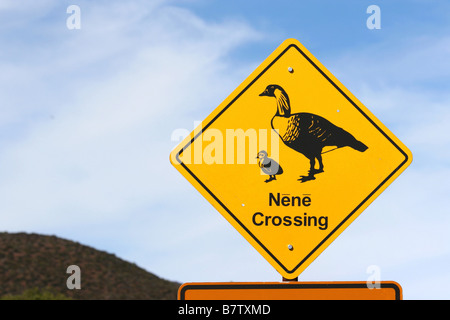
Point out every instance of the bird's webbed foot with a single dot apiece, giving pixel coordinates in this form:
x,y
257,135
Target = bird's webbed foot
x,y
310,175
270,179
307,178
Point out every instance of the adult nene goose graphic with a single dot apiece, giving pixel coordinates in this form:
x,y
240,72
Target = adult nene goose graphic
x,y
307,133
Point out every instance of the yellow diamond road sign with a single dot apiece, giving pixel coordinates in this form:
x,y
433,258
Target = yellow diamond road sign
x,y
291,158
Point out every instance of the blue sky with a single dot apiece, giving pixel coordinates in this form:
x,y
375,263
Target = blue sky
x,y
88,114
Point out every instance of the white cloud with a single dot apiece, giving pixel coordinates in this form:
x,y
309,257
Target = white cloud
x,y
91,120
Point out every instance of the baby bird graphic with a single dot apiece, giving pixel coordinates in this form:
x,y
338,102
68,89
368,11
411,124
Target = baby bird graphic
x,y
268,166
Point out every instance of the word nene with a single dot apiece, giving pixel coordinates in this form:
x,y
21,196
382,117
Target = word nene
x,y
228,146
288,200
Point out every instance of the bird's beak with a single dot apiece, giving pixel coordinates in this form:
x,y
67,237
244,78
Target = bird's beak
x,y
265,93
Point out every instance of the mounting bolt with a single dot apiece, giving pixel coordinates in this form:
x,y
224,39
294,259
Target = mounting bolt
x,y
290,247
290,70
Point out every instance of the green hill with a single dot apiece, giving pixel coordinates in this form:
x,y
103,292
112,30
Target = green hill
x,y
35,265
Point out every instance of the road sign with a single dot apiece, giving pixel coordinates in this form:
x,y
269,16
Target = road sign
x,y
387,290
291,158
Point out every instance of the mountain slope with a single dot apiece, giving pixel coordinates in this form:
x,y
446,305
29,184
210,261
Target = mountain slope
x,y
30,261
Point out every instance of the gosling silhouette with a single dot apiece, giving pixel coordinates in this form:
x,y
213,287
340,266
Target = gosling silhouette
x,y
268,166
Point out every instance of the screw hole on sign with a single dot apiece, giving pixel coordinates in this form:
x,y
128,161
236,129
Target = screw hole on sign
x,y
290,70
243,204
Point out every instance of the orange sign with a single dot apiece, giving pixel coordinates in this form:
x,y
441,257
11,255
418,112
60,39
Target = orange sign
x,y
388,290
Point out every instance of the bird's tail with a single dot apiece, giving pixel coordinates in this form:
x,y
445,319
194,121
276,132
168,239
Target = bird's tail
x,y
358,145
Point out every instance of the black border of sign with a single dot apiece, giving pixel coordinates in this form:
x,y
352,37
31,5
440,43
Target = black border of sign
x,y
348,216
336,285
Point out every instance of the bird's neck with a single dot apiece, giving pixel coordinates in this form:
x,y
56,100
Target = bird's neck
x,y
283,105
262,162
